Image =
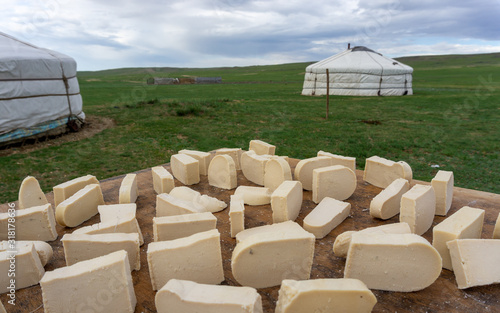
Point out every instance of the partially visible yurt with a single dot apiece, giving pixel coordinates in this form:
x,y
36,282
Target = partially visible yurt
x,y
39,90
358,71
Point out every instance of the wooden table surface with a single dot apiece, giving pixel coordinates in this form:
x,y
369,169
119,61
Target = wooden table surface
x,y
441,296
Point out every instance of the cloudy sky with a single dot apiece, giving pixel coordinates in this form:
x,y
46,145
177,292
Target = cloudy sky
x,y
103,34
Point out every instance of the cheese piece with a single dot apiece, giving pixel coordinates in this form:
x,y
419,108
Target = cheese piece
x,y
210,204
2,308
81,247
475,261
234,153
348,162
126,224
327,215
266,258
236,215
104,283
203,158
179,226
190,297
222,172
443,187
30,193
343,241
185,168
163,181
260,147
112,212
166,205
335,181
35,223
388,202
128,189
344,295
197,258
381,172
43,249
27,268
67,189
277,170
254,195
284,227
496,231
465,223
253,166
393,262
418,207
79,207
286,201
304,170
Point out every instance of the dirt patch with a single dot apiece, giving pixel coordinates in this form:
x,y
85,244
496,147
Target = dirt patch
x,y
92,126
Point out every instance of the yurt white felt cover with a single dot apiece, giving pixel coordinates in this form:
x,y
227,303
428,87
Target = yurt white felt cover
x,y
36,85
359,71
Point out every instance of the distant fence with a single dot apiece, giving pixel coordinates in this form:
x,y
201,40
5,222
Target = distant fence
x,y
183,80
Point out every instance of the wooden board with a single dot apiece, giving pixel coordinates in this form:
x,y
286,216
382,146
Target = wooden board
x,y
442,296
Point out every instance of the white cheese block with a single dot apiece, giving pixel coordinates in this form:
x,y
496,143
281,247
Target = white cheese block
x,y
81,247
253,166
163,181
197,258
179,226
465,223
264,259
348,162
2,308
381,172
104,283
393,262
496,231
166,205
335,181
327,215
286,201
210,204
67,189
284,227
261,147
236,215
344,295
30,193
126,224
185,168
113,212
28,268
35,223
79,207
128,189
343,241
277,170
475,261
443,187
252,195
202,157
388,202
43,249
304,170
190,297
418,207
222,172
234,153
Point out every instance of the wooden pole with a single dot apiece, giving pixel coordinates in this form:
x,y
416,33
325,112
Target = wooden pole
x,y
327,93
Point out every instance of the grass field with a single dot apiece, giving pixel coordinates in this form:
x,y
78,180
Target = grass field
x,y
452,120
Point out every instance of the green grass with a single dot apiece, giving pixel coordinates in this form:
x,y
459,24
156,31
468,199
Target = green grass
x,y
452,120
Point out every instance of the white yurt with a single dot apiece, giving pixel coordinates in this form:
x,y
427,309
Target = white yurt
x,y
358,71
39,90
